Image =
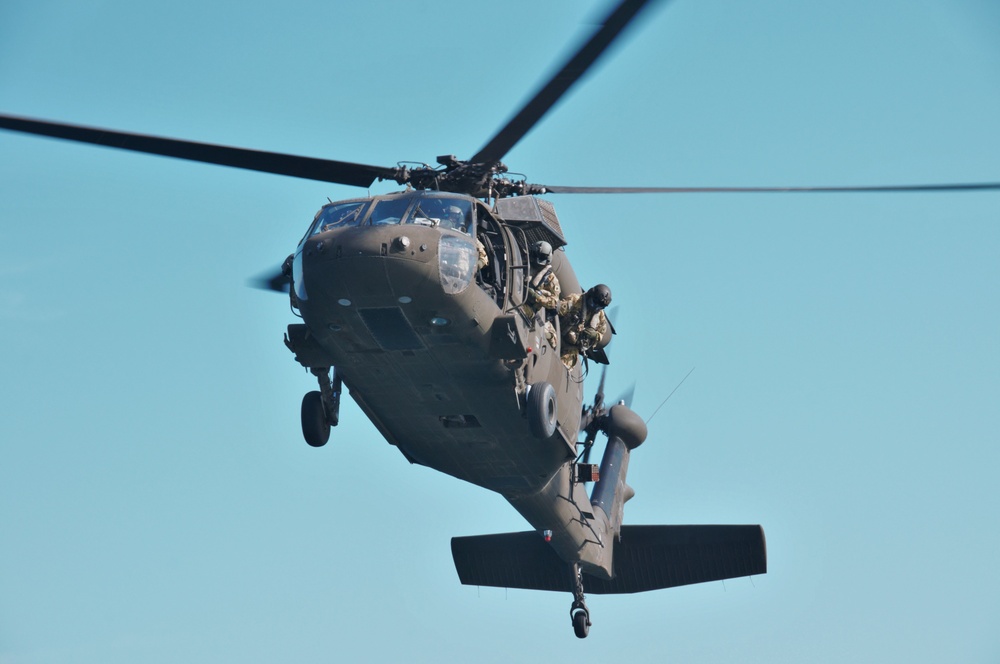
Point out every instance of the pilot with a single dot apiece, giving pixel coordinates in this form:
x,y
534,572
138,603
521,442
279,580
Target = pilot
x,y
583,322
455,219
543,287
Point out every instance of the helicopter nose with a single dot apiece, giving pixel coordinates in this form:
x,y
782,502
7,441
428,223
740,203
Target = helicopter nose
x,y
381,266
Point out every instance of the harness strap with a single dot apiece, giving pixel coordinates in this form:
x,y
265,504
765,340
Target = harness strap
x,y
538,278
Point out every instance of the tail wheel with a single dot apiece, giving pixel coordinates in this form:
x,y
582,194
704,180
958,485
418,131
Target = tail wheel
x,y
581,624
542,410
315,427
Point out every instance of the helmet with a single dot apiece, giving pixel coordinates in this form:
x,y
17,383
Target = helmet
x,y
599,296
541,251
455,218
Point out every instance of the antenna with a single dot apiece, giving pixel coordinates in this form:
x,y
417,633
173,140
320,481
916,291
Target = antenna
x,y
669,395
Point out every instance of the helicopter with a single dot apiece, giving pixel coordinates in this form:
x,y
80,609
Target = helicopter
x,y
449,378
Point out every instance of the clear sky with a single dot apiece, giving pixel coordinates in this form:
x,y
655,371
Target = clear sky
x,y
157,502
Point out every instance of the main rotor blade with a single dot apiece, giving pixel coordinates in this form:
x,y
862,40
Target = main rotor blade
x,y
309,168
551,92
974,186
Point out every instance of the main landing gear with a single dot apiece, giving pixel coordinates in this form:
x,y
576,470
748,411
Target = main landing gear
x,y
541,410
321,410
578,611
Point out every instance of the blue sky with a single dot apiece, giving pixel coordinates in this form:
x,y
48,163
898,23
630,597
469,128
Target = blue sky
x,y
157,502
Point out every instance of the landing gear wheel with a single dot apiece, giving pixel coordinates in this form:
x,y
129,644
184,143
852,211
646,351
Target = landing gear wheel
x,y
578,612
581,624
315,427
542,410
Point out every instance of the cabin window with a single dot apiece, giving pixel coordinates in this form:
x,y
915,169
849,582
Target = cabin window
x,y
390,211
456,262
339,215
443,212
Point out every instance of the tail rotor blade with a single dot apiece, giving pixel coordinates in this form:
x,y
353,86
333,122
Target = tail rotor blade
x,y
599,397
626,396
273,280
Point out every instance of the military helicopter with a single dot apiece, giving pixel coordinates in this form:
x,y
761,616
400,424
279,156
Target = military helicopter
x,y
441,355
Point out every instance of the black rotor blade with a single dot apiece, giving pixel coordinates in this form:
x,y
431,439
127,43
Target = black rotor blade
x,y
627,396
309,168
551,92
612,315
275,280
599,397
974,186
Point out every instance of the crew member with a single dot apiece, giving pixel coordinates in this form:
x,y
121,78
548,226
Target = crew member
x,y
581,316
543,288
454,218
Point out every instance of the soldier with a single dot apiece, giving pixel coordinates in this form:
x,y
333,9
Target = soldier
x,y
581,316
453,217
543,288
482,260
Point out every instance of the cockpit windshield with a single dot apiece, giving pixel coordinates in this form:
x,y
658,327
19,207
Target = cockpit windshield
x,y
437,211
390,211
445,212
339,215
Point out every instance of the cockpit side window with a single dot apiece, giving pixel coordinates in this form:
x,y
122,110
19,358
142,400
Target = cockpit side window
x,y
452,213
390,211
339,215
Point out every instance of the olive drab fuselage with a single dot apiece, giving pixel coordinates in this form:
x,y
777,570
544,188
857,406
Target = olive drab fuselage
x,y
416,301
439,354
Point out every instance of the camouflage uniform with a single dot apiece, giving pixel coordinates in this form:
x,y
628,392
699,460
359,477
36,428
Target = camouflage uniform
x,y
543,293
483,260
582,327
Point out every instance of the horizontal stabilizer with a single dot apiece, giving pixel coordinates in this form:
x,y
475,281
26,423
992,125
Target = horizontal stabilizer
x,y
646,558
